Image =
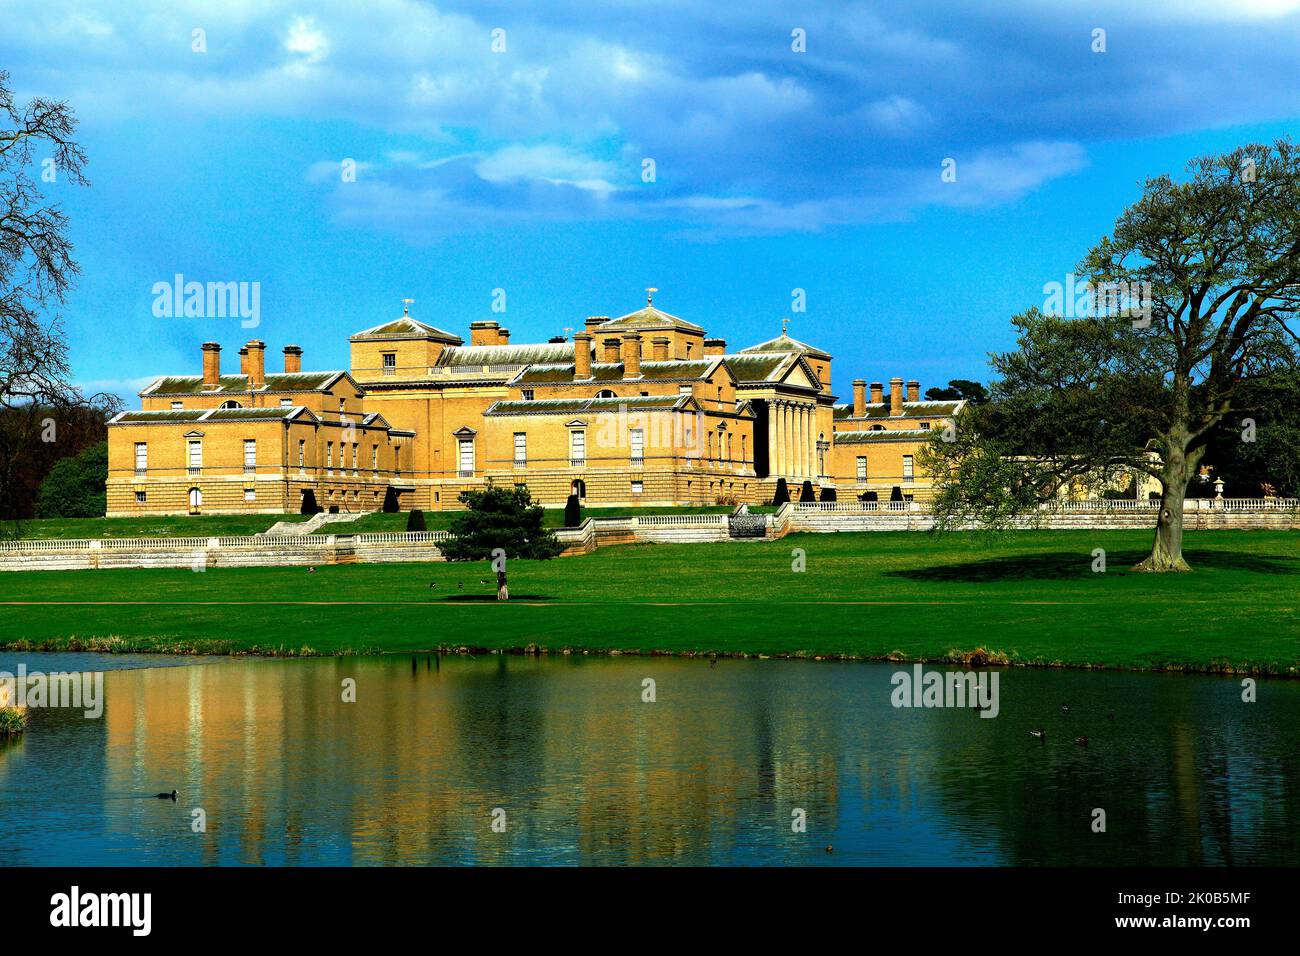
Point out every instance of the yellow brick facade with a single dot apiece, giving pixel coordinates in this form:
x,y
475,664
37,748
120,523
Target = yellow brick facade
x,y
642,409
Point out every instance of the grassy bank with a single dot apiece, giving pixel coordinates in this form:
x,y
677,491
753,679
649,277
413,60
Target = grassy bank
x,y
164,526
1027,598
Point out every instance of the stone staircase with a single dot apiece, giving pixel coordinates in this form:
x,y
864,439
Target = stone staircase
x,y
296,528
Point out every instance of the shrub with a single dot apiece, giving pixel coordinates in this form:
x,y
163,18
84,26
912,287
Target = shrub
x,y
390,502
415,520
572,512
806,492
828,494
12,721
782,494
74,488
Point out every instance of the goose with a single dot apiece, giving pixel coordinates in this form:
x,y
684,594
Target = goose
x,y
167,796
830,848
1040,734
1081,741
1065,708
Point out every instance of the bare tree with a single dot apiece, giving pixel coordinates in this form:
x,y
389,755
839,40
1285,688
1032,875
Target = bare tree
x,y
36,272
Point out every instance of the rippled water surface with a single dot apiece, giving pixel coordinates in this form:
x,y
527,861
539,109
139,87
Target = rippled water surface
x,y
586,772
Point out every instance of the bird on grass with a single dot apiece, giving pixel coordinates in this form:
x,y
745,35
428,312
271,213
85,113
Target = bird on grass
x,y
482,580
167,796
311,570
1081,741
1065,708
1040,734
433,584
460,586
830,848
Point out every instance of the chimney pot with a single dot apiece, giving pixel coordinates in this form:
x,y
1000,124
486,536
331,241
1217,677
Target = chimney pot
x,y
211,365
483,333
877,393
611,351
859,398
595,320
715,347
660,345
503,336
632,355
582,356
243,361
913,390
292,359
895,396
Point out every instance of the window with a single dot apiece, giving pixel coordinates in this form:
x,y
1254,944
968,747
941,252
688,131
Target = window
x,y
374,458
521,449
528,395
606,393
302,452
139,497
744,455
176,406
355,452
907,467
636,439
141,457
250,454
231,404
286,403
577,448
390,363
862,469
637,487
195,457
467,458
329,456
250,494
925,426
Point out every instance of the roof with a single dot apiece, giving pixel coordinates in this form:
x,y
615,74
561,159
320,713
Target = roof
x,y
670,371
405,327
189,415
275,382
575,406
884,435
758,368
910,410
783,343
647,318
505,355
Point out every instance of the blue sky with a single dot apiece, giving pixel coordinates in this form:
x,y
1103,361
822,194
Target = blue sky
x,y
523,169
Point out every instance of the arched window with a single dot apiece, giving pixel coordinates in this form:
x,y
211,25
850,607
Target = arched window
x,y
605,393
231,404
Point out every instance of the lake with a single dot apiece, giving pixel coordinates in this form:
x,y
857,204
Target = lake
x,y
564,752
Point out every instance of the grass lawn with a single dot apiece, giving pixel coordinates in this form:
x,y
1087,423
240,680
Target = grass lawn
x,y
441,520
165,526
1029,597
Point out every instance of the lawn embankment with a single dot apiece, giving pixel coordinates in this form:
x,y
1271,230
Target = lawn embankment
x,y
553,518
1024,598
162,526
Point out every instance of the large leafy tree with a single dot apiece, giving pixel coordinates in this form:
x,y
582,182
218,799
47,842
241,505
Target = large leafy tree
x,y
500,524
1199,285
36,272
75,487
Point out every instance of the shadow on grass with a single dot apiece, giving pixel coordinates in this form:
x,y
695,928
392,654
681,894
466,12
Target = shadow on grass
x,y
1059,565
459,597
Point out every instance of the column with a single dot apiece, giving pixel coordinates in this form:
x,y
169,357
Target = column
x,y
771,438
797,413
804,470
787,446
810,447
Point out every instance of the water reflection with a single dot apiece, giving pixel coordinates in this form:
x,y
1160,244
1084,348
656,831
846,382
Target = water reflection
x,y
587,773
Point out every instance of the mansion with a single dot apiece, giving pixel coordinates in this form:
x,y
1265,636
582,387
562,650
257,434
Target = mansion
x,y
642,409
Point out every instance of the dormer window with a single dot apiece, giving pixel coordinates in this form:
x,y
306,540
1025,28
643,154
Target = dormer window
x,y
528,395
390,363
925,426
177,406
286,403
231,404
605,393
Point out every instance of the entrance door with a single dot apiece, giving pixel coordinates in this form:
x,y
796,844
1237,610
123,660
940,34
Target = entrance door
x,y
196,501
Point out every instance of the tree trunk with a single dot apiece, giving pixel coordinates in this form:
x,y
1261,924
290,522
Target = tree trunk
x,y
503,592
1167,549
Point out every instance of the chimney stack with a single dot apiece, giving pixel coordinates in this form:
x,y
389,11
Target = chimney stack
x,y
243,361
895,396
256,363
211,365
611,351
595,320
503,336
582,356
660,348
913,391
715,347
292,359
859,398
632,355
877,393
483,333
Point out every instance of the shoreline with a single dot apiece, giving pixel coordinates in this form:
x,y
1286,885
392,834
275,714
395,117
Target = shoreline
x,y
976,659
